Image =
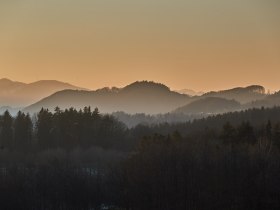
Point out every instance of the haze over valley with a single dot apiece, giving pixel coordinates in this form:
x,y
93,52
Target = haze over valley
x,y
139,105
155,101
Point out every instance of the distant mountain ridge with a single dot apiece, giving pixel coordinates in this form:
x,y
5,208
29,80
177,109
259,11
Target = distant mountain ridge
x,y
156,98
209,105
228,102
19,94
138,97
243,95
190,92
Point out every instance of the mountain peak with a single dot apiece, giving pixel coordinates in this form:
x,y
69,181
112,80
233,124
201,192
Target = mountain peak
x,y
149,85
256,89
138,97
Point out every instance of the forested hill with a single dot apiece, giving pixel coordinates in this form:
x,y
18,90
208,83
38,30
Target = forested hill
x,y
240,94
155,98
257,117
139,97
82,159
71,128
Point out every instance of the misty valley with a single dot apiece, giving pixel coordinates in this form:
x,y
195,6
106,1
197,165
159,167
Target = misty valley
x,y
139,105
138,147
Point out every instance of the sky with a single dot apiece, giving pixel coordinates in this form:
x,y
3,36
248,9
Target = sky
x,y
197,44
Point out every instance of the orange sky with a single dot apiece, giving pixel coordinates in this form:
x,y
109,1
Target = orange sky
x,y
194,44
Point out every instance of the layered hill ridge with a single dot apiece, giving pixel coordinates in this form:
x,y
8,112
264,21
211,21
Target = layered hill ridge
x,y
269,101
138,97
156,98
18,94
209,105
240,94
190,92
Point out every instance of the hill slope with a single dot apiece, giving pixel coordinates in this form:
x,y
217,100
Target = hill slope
x,y
18,94
138,97
210,105
240,94
155,98
268,101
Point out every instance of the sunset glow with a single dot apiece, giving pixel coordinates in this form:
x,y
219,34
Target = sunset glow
x,y
203,45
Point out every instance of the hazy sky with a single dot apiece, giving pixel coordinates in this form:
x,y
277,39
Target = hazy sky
x,y
199,44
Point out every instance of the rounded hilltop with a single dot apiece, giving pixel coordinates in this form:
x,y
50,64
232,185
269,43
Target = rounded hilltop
x,y
148,85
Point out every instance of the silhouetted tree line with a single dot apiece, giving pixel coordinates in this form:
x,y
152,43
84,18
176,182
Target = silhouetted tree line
x,y
84,160
66,129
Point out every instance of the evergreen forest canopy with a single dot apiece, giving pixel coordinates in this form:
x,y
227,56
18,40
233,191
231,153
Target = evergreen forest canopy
x,y
81,159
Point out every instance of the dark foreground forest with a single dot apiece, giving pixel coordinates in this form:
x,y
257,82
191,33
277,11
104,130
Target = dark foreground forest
x,y
84,160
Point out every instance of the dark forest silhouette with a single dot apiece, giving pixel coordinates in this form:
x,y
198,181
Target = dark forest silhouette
x,y
81,159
